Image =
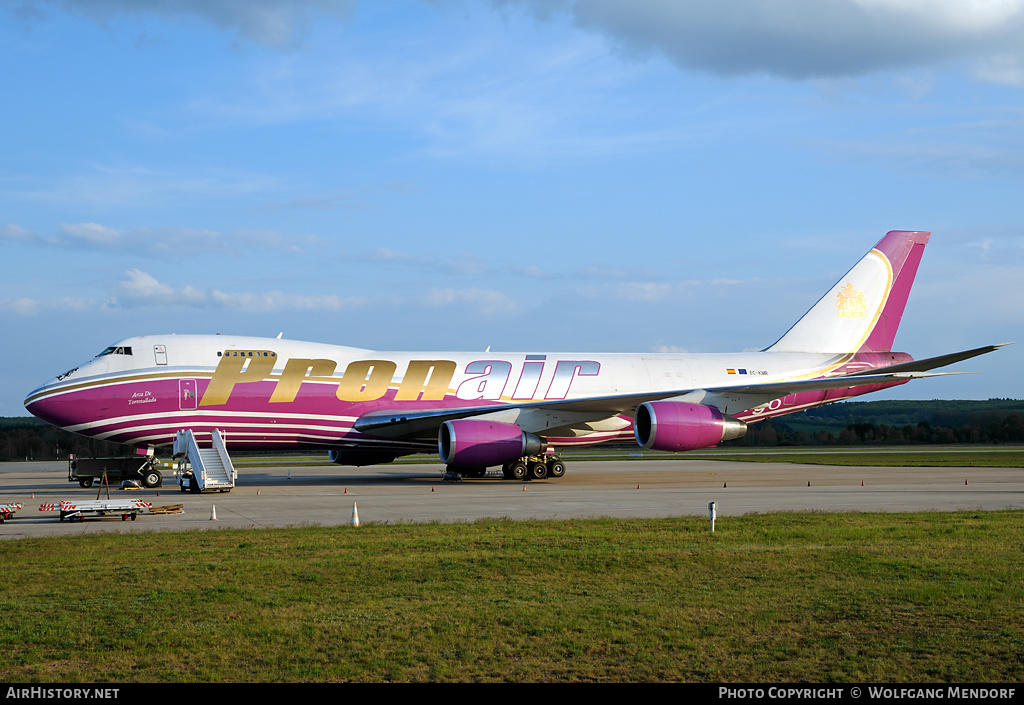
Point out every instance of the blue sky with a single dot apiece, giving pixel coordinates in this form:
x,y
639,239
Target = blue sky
x,y
587,175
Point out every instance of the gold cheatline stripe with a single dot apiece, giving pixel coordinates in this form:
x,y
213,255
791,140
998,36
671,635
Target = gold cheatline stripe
x,y
141,377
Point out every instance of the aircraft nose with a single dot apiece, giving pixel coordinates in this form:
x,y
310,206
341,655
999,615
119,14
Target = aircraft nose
x,y
54,409
40,408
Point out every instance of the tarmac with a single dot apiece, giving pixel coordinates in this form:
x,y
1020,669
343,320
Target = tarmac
x,y
282,496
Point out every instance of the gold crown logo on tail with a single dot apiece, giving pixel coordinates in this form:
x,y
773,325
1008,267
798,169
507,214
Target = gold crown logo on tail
x,y
851,303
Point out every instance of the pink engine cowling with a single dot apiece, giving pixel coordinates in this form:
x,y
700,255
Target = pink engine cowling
x,y
481,443
675,426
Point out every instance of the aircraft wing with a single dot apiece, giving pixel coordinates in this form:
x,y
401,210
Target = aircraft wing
x,y
426,422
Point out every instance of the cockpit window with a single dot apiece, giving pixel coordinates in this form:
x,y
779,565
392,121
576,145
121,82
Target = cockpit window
x,y
118,350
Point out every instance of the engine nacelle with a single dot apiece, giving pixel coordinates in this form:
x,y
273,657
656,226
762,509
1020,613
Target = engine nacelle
x,y
359,457
477,443
675,426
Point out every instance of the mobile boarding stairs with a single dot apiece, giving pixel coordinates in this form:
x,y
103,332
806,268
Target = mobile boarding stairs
x,y
208,468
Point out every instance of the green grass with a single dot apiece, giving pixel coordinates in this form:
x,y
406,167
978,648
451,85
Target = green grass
x,y
780,597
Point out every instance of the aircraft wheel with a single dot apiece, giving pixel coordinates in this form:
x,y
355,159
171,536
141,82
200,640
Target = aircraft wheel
x,y
538,471
518,470
556,469
151,478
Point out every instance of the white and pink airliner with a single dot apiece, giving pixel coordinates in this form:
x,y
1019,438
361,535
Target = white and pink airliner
x,y
483,410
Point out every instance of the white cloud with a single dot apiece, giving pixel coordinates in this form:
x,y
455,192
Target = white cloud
x,y
274,301
16,233
92,233
1007,69
23,306
165,241
653,292
142,289
930,154
486,301
269,23
28,307
800,39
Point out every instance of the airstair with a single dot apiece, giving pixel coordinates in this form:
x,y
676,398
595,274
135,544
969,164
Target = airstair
x,y
211,468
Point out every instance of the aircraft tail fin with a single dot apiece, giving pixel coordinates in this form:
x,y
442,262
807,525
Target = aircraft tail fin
x,y
863,310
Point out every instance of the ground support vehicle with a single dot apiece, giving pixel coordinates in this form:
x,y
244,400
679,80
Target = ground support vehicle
x,y
7,511
124,508
201,469
86,471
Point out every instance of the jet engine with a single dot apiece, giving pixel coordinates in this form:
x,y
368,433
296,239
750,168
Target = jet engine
x,y
480,443
675,426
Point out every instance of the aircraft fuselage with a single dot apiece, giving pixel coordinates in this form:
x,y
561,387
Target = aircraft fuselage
x,y
269,393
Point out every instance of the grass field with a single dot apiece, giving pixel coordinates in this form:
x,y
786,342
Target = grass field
x,y
783,597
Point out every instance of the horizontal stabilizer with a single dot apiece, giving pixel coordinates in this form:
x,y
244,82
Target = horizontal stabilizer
x,y
933,362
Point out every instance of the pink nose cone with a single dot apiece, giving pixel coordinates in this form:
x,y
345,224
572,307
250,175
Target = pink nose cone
x,y
58,410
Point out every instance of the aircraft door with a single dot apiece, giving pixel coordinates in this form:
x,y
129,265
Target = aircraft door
x,y
187,400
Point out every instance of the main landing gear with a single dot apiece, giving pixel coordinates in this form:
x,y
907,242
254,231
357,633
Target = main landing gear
x,y
529,467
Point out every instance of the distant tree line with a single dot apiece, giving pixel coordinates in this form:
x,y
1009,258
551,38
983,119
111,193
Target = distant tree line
x,y
894,422
26,439
840,424
777,432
